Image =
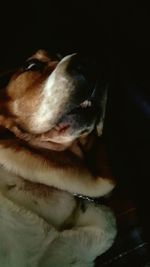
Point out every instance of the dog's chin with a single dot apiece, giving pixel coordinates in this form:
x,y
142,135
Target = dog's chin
x,y
59,138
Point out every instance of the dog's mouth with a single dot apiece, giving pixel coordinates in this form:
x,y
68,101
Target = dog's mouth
x,y
76,123
79,122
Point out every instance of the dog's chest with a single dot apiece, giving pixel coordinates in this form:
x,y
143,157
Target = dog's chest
x,y
24,236
29,219
54,206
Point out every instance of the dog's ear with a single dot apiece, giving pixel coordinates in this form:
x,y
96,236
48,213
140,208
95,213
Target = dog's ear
x,y
103,103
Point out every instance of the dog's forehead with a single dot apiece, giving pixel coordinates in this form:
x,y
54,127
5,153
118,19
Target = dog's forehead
x,y
44,56
41,55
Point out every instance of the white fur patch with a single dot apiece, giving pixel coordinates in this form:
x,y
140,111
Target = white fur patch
x,y
52,96
27,240
45,109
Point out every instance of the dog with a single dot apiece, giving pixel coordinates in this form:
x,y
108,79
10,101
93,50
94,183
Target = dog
x,y
51,119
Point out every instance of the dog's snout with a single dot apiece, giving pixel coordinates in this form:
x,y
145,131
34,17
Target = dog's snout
x,y
73,81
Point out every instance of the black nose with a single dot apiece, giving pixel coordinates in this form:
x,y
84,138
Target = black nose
x,y
85,66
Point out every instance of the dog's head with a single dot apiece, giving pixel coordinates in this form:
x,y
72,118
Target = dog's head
x,y
55,101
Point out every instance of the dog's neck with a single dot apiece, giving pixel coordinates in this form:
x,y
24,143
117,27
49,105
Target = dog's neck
x,y
63,170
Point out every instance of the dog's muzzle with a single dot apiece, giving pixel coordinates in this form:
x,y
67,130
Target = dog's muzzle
x,y
76,92
74,98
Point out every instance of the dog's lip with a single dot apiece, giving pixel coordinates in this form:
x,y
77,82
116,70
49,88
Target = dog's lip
x,y
62,127
57,138
65,123
58,130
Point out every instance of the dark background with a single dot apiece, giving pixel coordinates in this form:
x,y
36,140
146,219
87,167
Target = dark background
x,y
118,36
118,31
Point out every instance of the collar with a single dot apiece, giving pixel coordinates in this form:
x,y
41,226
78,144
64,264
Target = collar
x,y
90,199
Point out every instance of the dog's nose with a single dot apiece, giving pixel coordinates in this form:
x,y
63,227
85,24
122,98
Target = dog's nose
x,y
82,65
79,65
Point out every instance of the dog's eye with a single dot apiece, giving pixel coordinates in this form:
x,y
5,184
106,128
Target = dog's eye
x,y
33,64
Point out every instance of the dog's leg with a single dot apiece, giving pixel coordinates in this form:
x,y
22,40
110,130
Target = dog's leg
x,y
72,179
23,235
92,235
